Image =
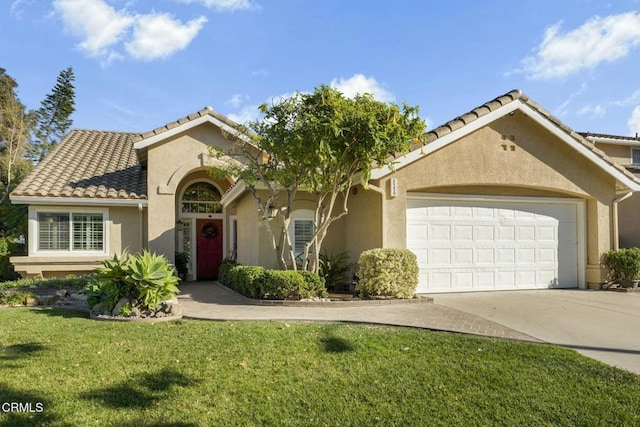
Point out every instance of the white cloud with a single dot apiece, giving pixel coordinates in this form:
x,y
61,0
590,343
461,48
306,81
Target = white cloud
x,y
237,100
224,5
632,99
105,31
597,40
98,24
159,36
360,84
594,111
634,121
246,114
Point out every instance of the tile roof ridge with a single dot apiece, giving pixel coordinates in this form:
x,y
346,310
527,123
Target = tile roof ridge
x,y
475,113
207,110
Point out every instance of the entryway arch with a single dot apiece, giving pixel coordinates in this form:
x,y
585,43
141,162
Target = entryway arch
x,y
201,226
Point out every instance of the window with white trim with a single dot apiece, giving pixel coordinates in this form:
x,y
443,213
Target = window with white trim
x,y
69,231
635,156
301,229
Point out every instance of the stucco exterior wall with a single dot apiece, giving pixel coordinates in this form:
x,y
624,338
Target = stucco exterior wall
x,y
511,156
363,224
126,227
620,154
629,221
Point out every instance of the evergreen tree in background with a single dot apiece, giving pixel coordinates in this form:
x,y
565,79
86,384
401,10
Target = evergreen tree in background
x,y
53,117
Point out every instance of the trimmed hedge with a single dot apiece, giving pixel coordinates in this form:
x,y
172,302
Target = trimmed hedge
x,y
257,282
387,272
623,264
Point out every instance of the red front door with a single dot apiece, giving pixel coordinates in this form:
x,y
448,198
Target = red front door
x,y
208,248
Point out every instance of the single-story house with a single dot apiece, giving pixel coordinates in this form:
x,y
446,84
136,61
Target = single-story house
x,y
502,197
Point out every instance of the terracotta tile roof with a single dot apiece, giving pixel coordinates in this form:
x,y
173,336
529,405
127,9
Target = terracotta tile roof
x,y
88,164
503,100
204,112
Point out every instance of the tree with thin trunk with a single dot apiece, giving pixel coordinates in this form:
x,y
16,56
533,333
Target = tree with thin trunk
x,y
54,116
321,143
15,123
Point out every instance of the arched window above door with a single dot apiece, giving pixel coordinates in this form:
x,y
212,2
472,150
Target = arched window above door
x,y
201,197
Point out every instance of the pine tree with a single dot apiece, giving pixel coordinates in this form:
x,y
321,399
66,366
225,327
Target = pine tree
x,y
53,117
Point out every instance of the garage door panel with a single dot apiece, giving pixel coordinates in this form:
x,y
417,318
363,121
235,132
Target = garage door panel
x,y
484,245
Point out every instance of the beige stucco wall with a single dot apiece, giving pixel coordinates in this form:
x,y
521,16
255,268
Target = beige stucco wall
x,y
254,246
487,161
620,154
629,221
171,163
126,225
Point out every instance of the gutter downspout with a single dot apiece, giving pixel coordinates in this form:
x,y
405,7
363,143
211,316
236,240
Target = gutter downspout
x,y
140,226
615,238
383,195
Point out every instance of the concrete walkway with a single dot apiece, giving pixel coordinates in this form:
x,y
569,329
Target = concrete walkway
x,y
208,300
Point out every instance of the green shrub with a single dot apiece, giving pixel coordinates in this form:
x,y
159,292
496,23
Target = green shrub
x,y
15,298
225,267
246,279
292,285
145,279
182,263
388,273
334,267
623,264
7,249
257,282
70,282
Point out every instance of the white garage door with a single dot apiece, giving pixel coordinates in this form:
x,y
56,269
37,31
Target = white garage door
x,y
468,244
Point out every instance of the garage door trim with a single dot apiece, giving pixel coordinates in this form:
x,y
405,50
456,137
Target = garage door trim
x,y
580,206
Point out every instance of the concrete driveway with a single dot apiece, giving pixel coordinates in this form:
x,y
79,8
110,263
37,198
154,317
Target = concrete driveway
x,y
598,324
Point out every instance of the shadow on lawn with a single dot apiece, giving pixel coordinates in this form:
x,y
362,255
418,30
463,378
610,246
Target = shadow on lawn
x,y
21,408
141,391
12,356
65,314
334,344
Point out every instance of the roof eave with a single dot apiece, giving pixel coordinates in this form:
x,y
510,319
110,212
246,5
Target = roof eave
x,y
76,201
533,113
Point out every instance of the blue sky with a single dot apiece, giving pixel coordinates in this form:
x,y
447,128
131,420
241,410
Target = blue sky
x,y
140,64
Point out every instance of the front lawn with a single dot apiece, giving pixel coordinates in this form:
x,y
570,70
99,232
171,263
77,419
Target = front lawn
x,y
198,373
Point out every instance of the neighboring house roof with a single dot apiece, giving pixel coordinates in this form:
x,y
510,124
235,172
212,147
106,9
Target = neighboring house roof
x,y
612,139
495,109
87,164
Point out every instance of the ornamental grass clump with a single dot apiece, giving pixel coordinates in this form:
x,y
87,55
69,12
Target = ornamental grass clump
x,y
386,272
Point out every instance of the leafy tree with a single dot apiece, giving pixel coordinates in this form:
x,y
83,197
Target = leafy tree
x,y
321,143
53,116
15,124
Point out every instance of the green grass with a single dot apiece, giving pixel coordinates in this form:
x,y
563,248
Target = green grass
x,y
192,373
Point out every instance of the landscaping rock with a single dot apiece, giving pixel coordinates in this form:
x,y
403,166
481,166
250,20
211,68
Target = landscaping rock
x,y
98,308
61,293
135,312
121,303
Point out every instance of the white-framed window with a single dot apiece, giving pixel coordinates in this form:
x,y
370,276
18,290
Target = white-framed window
x,y
201,197
301,229
635,156
58,230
